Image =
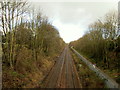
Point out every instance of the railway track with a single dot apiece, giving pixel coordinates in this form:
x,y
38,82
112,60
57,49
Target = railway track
x,y
64,73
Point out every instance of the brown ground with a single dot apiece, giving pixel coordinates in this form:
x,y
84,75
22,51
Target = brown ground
x,y
64,73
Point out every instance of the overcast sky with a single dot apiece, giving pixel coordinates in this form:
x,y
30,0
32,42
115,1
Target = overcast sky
x,y
72,18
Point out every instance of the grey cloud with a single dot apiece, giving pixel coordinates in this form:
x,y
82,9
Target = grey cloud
x,y
75,13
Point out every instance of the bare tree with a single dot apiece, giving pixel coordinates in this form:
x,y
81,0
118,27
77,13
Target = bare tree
x,y
11,12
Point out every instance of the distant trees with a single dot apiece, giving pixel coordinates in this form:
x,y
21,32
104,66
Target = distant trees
x,y
101,42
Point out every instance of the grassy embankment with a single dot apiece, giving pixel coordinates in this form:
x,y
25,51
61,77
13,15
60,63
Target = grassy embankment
x,y
87,77
28,74
113,73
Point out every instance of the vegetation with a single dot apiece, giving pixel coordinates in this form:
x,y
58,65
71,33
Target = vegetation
x,y
29,45
87,77
101,44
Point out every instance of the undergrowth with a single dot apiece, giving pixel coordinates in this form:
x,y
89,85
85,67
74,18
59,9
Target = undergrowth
x,y
87,77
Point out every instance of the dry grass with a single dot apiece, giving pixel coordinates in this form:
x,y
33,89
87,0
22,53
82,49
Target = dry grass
x,y
28,73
